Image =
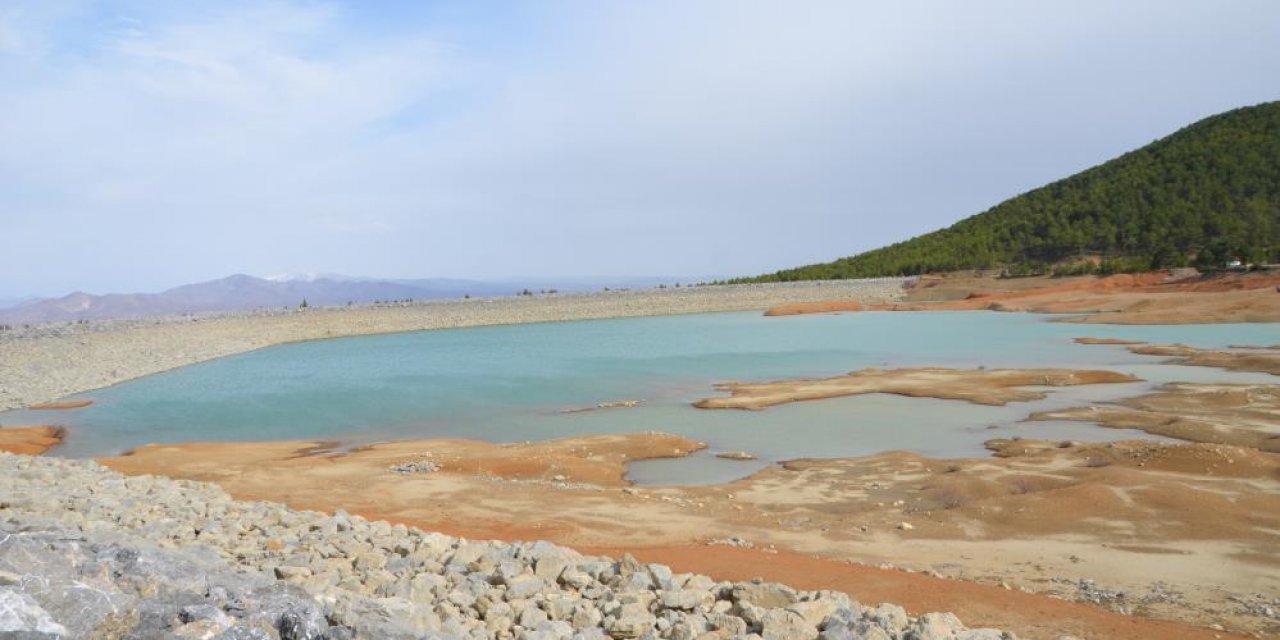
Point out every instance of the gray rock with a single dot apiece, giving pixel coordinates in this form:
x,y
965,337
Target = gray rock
x,y
339,633
20,613
200,630
301,623
934,626
631,625
383,618
839,633
468,553
576,579
889,617
767,595
661,575
785,624
201,612
699,583
240,632
551,565
731,625
815,612
293,574
531,617
685,599
585,617
632,582
524,586
560,607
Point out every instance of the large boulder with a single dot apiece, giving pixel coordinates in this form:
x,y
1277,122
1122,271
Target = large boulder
x,y
785,624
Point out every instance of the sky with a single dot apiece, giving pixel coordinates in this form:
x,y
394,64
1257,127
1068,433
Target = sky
x,y
146,144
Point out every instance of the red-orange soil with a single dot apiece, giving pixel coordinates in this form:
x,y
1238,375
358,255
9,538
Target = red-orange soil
x,y
1149,298
30,440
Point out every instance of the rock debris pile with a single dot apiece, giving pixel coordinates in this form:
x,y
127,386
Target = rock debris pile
x,y
415,466
88,553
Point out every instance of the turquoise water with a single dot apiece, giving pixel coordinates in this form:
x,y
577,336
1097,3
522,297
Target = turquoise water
x,y
513,383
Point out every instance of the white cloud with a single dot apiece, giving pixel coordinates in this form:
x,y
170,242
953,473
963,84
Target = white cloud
x,y
591,138
11,40
251,120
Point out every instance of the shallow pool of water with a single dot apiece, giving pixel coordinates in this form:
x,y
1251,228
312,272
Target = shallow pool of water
x,y
513,383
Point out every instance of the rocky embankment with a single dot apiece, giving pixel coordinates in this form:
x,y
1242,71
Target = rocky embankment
x,y
86,552
46,362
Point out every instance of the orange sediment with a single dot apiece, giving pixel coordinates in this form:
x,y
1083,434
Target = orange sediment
x,y
1148,298
33,440
65,404
832,306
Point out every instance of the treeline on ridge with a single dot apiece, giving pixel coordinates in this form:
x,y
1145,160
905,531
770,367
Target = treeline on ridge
x,y
1206,195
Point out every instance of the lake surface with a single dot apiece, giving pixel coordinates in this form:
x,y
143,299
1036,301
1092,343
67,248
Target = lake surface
x,y
513,383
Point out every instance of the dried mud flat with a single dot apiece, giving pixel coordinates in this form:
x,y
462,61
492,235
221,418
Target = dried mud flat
x,y
1246,415
1256,359
88,553
1149,298
1147,531
1096,523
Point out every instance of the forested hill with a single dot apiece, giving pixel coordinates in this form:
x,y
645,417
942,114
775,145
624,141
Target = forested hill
x,y
1205,195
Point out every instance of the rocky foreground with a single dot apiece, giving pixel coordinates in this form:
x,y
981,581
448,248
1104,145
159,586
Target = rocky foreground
x,y
88,553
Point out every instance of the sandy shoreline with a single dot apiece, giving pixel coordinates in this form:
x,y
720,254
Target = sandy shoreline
x,y
48,363
1146,298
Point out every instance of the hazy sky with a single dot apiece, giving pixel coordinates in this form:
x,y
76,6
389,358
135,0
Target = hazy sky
x,y
152,143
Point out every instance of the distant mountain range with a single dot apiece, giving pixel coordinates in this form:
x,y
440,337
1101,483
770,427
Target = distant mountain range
x,y
244,293
5,303
1208,195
